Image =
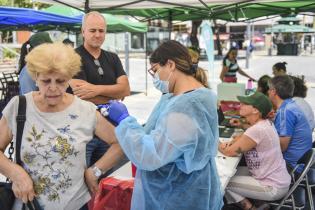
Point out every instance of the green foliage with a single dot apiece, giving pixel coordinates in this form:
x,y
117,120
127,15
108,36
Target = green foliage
x,y
21,3
8,54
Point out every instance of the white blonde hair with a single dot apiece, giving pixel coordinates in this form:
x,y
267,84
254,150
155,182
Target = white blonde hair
x,y
53,57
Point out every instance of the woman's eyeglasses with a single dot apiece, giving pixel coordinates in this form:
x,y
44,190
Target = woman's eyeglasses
x,y
151,71
100,69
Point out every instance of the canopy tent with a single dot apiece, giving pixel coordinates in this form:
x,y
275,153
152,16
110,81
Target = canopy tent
x,y
182,10
114,24
289,29
21,18
289,25
235,10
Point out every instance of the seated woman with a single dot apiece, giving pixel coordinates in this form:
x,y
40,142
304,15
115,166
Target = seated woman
x,y
58,126
263,87
265,177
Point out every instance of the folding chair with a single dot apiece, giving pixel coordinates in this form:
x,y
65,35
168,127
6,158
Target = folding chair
x,y
289,200
308,183
3,86
10,85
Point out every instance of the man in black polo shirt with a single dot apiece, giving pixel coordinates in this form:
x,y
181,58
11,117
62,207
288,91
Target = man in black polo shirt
x,y
102,76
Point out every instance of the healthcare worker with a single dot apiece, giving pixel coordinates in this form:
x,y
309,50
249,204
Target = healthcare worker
x,y
175,152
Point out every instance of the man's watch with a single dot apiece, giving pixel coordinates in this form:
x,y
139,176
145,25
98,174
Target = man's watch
x,y
97,172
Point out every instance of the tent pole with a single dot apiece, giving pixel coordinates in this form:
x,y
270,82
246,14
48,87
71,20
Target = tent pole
x,y
86,6
146,63
127,51
170,24
248,32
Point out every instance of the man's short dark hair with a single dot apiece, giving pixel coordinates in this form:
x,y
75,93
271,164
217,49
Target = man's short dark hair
x,y
283,85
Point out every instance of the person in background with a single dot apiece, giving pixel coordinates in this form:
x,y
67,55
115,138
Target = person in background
x,y
175,151
102,77
291,123
57,128
299,94
266,176
68,41
27,84
279,69
231,67
24,50
263,84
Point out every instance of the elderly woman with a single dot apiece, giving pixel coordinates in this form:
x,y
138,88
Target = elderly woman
x,y
57,128
265,177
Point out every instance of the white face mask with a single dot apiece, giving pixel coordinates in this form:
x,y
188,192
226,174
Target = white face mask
x,y
161,85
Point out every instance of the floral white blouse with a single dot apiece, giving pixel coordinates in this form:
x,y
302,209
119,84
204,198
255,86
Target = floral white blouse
x,y
53,151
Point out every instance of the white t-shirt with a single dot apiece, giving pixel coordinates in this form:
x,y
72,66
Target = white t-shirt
x,y
307,110
53,151
265,162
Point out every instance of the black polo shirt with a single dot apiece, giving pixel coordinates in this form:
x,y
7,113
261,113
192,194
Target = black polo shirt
x,y
109,62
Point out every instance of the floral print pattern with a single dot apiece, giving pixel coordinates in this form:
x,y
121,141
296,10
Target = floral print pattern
x,y
49,161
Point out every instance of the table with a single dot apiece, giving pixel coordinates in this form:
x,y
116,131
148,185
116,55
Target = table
x,y
226,166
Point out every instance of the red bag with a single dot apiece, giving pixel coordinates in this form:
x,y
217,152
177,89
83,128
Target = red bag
x,y
133,170
113,194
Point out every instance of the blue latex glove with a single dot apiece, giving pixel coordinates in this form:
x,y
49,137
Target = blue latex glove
x,y
117,111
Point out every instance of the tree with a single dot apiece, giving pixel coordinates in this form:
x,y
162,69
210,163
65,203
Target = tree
x,y
194,31
217,34
22,3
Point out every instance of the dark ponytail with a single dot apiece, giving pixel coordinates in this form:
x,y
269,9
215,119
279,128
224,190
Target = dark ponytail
x,y
173,50
24,52
280,66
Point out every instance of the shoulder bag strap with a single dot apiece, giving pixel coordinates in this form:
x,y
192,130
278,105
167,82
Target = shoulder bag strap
x,y
20,121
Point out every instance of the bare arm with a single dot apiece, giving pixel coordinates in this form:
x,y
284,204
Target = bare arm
x,y
105,131
22,183
103,93
240,145
245,74
284,143
225,69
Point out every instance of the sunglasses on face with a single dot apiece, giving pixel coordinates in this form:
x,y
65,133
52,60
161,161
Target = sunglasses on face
x,y
99,69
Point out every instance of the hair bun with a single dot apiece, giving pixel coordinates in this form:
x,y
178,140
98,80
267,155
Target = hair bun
x,y
194,68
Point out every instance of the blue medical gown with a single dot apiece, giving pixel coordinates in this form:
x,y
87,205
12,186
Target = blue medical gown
x,y
174,153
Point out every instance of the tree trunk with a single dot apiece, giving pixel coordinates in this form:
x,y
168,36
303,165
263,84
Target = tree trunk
x,y
194,31
217,34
